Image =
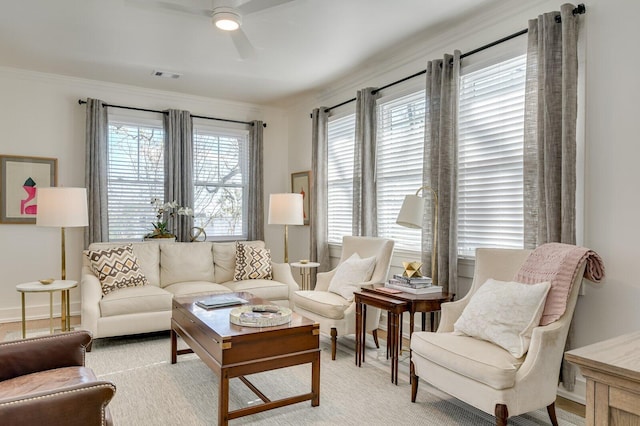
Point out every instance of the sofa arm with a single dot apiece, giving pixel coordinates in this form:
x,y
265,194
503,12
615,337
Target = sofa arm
x,y
91,294
82,404
449,314
28,356
323,279
282,273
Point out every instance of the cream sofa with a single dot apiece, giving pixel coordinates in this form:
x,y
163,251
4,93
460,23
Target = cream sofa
x,y
172,269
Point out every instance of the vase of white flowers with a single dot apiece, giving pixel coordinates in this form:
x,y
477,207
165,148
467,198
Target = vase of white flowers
x,y
164,213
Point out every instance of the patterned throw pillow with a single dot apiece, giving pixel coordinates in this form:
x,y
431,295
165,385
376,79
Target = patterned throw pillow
x,y
116,268
252,263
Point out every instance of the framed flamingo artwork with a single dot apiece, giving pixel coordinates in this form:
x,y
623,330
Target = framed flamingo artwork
x,y
20,178
301,184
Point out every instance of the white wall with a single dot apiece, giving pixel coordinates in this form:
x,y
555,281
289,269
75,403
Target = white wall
x,y
612,201
40,116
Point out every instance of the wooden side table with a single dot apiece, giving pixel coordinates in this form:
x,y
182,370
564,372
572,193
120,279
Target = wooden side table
x,y
612,370
63,286
394,308
305,273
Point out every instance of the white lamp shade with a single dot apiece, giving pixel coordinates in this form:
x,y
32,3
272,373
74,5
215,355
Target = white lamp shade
x,y
62,207
286,209
412,212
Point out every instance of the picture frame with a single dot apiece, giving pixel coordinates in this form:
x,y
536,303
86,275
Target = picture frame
x,y
20,178
301,184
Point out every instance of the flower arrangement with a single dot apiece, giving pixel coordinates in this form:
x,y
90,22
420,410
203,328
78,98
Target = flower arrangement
x,y
165,212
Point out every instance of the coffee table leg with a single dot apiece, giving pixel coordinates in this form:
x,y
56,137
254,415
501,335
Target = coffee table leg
x,y
223,398
315,381
174,347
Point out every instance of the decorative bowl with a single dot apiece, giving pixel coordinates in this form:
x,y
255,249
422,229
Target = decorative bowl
x,y
46,280
303,261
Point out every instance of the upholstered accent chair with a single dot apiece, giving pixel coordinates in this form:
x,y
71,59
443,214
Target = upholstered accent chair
x,y
43,381
331,302
482,373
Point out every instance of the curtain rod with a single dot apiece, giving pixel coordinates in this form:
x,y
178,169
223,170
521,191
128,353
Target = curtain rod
x,y
579,10
81,102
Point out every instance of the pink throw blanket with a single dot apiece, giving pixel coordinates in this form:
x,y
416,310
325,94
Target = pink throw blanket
x,y
559,263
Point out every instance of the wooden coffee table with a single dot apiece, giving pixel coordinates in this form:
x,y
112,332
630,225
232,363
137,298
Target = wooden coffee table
x,y
236,351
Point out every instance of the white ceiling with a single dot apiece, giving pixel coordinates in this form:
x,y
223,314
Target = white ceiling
x,y
300,46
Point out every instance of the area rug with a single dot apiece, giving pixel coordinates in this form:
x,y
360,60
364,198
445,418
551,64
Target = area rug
x,y
152,391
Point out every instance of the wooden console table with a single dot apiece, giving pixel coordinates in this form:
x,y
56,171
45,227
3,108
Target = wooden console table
x,y
612,369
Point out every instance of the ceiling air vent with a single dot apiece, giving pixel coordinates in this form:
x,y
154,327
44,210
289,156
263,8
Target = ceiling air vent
x,y
165,74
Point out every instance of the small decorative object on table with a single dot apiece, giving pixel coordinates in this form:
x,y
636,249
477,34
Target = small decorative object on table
x,y
46,281
260,315
412,269
164,213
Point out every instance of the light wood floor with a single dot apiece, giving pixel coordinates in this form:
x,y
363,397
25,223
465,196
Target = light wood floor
x,y
562,403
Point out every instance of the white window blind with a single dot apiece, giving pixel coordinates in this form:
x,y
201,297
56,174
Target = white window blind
x,y
341,139
400,141
135,176
491,128
220,172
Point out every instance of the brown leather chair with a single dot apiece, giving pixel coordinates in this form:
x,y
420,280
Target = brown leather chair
x,y
43,381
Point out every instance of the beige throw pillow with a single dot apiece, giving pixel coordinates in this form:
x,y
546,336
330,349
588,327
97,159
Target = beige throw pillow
x,y
351,274
504,313
116,268
252,263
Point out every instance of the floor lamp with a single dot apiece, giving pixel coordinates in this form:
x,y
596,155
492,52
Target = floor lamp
x,y
63,208
286,209
411,215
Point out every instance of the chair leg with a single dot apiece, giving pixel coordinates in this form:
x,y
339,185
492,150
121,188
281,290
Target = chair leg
x,y
374,333
414,382
334,342
502,414
551,409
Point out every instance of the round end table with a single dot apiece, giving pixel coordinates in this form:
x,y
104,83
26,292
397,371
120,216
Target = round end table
x,y
63,286
305,273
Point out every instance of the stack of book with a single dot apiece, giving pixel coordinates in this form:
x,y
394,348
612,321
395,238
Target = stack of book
x,y
415,285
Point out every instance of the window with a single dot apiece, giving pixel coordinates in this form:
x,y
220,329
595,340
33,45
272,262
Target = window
x,y
491,129
220,172
135,176
400,142
341,140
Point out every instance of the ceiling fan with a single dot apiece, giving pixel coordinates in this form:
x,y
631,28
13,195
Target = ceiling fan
x,y
225,14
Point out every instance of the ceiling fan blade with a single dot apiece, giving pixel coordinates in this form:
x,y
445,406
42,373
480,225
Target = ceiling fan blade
x,y
167,5
253,6
243,45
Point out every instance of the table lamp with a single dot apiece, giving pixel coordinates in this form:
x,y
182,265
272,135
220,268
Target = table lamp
x,y
286,209
64,208
411,214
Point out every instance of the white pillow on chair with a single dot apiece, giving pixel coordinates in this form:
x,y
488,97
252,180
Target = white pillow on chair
x,y
350,275
504,313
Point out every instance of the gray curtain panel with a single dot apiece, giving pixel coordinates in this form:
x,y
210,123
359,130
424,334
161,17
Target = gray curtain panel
x,y
319,205
440,168
550,137
178,168
95,178
255,197
365,217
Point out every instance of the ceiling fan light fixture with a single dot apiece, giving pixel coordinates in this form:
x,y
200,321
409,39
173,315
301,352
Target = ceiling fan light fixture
x,y
227,18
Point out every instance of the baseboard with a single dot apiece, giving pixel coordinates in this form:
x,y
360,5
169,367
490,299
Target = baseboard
x,y
36,312
579,391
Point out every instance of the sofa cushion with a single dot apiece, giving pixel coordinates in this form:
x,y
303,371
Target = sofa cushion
x,y
224,258
252,263
116,268
180,262
324,303
135,300
267,289
474,358
195,287
504,313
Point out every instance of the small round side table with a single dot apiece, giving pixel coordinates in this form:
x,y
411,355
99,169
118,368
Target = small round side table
x,y
305,273
63,286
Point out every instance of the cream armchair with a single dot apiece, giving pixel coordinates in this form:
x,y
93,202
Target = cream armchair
x,y
336,314
483,374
